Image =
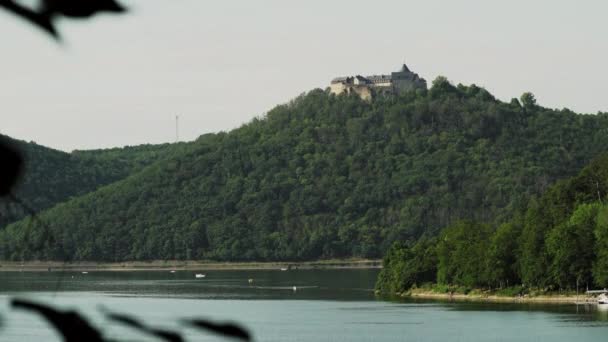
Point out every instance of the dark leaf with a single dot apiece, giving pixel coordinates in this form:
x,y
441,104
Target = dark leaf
x,y
50,9
226,329
80,8
166,335
11,164
41,21
70,324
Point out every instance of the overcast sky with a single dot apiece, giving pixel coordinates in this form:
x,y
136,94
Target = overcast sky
x,y
119,81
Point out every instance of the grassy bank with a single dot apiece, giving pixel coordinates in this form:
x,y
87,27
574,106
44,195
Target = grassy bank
x,y
186,265
515,294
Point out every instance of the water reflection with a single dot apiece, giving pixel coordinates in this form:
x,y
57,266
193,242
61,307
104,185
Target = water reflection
x,y
267,284
342,285
331,305
563,314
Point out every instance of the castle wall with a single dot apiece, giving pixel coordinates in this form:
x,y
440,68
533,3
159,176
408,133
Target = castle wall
x,y
364,91
337,88
402,86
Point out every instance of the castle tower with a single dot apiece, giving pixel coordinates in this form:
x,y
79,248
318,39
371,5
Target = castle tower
x,y
404,80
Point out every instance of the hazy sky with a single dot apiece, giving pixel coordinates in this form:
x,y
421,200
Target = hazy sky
x,y
121,80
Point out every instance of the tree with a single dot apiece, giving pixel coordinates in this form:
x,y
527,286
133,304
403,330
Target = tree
x,y
442,86
502,255
461,250
570,246
533,259
405,267
528,100
600,266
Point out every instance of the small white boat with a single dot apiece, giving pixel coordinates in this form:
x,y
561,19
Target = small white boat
x,y
199,275
601,299
171,271
284,268
85,272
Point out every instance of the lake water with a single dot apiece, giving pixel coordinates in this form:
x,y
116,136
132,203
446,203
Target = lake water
x,y
327,305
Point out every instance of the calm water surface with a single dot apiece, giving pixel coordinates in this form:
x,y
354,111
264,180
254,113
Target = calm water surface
x,y
328,305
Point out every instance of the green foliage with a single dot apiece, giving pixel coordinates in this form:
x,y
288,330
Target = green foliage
x,y
558,242
441,87
391,278
534,259
570,246
600,265
405,267
528,100
461,252
52,176
320,177
501,261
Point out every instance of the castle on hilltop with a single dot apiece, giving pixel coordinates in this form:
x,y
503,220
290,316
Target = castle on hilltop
x,y
368,86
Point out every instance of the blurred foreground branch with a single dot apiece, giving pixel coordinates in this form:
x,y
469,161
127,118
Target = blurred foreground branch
x,y
45,14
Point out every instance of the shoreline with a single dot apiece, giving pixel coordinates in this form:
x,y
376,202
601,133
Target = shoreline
x,y
186,265
581,299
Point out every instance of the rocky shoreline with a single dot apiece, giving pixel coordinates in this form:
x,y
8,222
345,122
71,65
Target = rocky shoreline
x,y
492,298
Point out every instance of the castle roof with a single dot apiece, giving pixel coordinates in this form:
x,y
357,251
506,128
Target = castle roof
x,y
362,79
375,79
342,79
379,78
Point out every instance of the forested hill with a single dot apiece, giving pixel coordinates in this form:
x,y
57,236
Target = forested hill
x,y
560,241
53,176
324,176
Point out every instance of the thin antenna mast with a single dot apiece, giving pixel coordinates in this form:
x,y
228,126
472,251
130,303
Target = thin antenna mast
x,y
177,128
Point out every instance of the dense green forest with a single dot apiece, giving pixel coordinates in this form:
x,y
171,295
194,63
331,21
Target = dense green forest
x,y
53,176
325,176
560,241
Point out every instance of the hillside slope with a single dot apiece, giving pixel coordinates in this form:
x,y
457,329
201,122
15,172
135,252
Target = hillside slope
x,y
324,176
53,176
